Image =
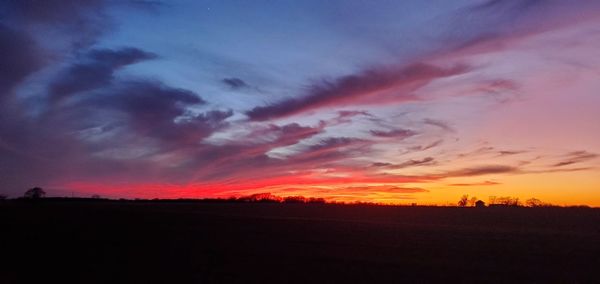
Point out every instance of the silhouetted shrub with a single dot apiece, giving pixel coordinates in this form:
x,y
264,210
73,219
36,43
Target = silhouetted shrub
x,y
34,193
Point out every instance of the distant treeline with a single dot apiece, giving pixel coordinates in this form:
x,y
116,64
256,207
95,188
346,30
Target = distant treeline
x,y
39,194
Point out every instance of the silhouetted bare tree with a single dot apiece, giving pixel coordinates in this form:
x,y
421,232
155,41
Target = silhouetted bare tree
x,y
464,200
35,193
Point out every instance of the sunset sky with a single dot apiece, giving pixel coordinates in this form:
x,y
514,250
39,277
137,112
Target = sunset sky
x,y
379,101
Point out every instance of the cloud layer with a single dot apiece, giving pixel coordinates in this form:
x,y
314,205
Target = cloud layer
x,y
118,98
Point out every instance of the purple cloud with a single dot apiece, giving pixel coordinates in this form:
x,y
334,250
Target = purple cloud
x,y
396,133
235,83
349,89
96,70
576,157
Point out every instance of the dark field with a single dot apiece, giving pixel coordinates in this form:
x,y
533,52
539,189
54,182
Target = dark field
x,y
144,242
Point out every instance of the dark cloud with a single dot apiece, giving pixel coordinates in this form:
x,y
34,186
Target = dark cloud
x,y
484,183
79,23
19,57
491,25
396,133
410,163
114,129
427,146
352,113
513,6
235,83
438,123
293,133
245,157
576,157
333,143
151,109
380,164
380,189
95,70
74,22
348,89
482,170
560,170
59,12
510,153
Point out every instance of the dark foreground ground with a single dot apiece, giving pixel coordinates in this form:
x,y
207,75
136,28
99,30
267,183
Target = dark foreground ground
x,y
134,242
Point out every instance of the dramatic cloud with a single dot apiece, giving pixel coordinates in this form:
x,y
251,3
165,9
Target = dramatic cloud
x,y
364,87
396,133
235,83
80,23
19,57
96,70
96,97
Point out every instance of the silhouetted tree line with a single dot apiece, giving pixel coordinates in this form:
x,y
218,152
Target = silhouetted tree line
x,y
504,201
270,198
37,193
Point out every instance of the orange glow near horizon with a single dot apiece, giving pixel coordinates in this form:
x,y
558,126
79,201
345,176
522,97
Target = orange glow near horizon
x,y
496,99
434,192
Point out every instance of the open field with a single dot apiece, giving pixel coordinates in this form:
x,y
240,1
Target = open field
x,y
187,242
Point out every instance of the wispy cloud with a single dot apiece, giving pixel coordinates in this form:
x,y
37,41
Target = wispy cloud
x,y
235,83
484,183
365,87
576,157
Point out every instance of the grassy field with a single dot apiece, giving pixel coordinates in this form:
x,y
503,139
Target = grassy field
x,y
188,242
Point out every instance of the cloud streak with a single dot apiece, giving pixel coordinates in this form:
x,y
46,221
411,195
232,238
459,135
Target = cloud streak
x,y
369,86
576,157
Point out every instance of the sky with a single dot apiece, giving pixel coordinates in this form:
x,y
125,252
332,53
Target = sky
x,y
377,101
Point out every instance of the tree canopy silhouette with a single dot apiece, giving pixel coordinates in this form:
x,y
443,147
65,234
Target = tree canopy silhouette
x,y
35,193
